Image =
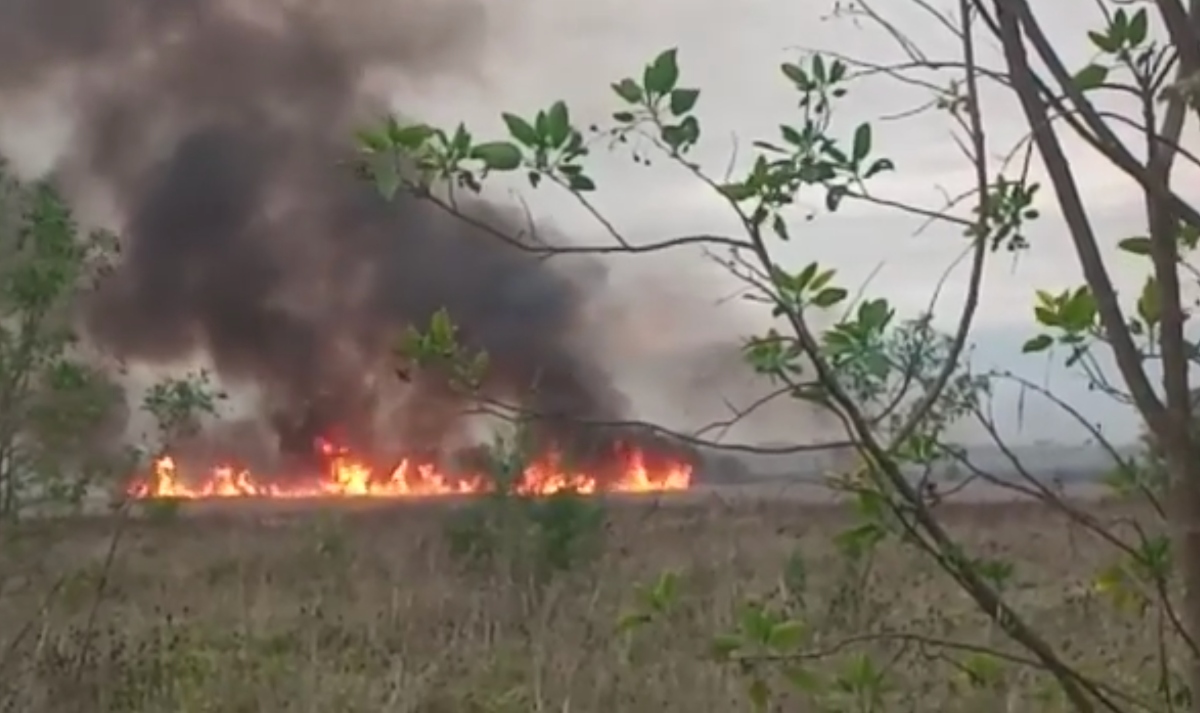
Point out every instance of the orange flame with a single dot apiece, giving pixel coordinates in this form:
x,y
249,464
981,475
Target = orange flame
x,y
346,476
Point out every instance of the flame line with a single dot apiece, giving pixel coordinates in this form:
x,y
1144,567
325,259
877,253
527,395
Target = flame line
x,y
349,478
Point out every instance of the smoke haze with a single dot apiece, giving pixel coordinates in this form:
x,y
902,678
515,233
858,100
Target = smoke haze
x,y
214,135
220,133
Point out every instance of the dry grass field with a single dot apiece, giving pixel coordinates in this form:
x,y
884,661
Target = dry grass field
x,y
245,610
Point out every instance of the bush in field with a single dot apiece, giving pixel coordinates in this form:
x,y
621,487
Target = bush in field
x,y
528,536
53,401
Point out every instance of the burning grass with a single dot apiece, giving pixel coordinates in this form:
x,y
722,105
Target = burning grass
x,y
343,474
323,610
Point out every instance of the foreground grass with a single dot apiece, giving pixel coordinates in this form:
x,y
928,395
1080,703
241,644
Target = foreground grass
x,y
364,611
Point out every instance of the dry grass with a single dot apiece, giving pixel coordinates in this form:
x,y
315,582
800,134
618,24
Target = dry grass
x,y
364,611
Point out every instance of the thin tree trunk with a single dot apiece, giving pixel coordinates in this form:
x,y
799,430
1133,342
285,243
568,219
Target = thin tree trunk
x,y
1176,431
1185,517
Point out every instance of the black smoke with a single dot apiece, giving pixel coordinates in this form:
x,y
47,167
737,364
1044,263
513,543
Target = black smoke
x,y
223,132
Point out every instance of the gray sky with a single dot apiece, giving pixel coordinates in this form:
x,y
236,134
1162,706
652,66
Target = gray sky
x,y
542,50
524,54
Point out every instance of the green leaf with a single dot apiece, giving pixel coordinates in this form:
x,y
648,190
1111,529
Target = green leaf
x,y
874,315
580,183
1079,312
1114,582
837,71
498,155
373,140
738,191
786,635
628,90
662,74
521,130
879,166
386,177
666,589
821,279
625,117
983,670
1135,246
834,196
1045,298
870,505
796,74
1046,316
829,296
1135,33
1040,343
995,571
441,333
1106,43
410,137
755,623
680,137
779,225
1090,77
1118,29
818,69
461,141
632,620
862,143
1149,304
858,541
558,125
1189,236
691,130
683,100
806,275
1153,561
759,693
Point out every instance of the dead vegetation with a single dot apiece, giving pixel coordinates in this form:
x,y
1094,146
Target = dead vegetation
x,y
366,611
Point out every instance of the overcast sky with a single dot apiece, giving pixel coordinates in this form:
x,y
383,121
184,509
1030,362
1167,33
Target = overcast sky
x,y
541,50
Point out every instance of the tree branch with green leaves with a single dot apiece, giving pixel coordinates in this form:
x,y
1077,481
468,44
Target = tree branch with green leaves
x,y
859,368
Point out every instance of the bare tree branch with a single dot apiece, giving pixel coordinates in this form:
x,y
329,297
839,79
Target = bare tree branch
x,y
1078,223
979,234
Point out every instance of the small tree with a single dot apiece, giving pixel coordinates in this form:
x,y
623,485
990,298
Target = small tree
x,y
52,400
179,406
529,536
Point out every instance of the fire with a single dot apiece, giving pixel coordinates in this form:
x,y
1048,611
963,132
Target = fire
x,y
346,476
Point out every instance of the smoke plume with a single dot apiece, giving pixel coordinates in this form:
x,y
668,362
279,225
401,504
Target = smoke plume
x,y
220,131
